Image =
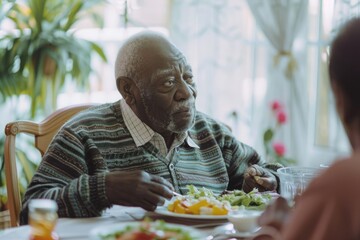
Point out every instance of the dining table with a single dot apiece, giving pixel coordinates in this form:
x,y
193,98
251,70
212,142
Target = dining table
x,y
80,228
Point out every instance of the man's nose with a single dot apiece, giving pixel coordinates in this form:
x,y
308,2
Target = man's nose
x,y
184,91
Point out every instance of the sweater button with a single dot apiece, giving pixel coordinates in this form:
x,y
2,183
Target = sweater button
x,y
171,166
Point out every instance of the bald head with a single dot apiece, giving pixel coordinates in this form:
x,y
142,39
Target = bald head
x,y
138,56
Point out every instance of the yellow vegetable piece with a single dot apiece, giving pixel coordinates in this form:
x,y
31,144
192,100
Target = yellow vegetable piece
x,y
219,211
172,205
195,209
179,208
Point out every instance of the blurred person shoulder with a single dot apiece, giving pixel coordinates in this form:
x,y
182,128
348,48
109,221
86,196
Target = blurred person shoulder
x,y
345,167
342,177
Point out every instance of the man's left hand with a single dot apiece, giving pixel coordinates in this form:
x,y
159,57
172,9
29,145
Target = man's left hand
x,y
258,177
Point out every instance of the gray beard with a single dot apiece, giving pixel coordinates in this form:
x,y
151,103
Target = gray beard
x,y
167,124
145,99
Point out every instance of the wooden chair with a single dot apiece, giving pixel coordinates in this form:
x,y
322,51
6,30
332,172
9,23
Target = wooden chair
x,y
43,133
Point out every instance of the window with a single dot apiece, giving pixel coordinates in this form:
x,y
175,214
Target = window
x,y
230,59
327,136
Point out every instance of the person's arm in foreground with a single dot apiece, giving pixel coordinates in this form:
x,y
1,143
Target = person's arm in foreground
x,y
312,219
276,214
74,174
328,209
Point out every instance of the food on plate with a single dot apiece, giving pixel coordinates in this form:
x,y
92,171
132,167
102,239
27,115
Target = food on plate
x,y
201,206
149,230
203,201
253,200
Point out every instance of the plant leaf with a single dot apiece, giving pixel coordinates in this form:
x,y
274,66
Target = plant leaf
x,y
42,31
27,166
99,51
268,135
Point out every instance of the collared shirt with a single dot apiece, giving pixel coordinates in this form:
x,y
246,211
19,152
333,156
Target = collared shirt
x,y
142,133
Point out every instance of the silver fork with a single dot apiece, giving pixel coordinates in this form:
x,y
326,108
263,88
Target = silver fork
x,y
177,194
269,232
223,236
134,217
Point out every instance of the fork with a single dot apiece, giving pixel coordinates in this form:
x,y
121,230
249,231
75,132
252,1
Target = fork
x,y
223,236
133,216
177,194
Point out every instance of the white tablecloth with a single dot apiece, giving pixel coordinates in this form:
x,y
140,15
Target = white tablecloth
x,y
79,228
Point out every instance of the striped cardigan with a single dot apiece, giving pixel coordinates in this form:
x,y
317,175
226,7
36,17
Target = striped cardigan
x,y
97,141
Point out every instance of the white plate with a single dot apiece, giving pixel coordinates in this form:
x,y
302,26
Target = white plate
x,y
164,211
228,229
96,233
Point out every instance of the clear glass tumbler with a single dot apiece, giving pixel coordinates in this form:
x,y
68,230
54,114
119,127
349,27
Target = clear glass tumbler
x,y
42,219
294,180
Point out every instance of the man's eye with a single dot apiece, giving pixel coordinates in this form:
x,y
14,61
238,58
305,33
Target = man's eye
x,y
169,83
188,78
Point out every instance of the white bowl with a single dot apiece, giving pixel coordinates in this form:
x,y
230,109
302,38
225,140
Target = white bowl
x,y
244,220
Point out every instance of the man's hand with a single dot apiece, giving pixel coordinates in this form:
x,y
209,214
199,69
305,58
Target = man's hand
x,y
259,177
275,214
138,189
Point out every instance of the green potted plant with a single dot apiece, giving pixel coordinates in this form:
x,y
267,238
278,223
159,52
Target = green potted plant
x,y
37,58
43,51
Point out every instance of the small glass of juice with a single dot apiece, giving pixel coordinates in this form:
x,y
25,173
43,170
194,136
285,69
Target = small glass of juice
x,y
42,219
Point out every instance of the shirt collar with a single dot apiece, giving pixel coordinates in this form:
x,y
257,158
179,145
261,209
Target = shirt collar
x,y
191,142
142,133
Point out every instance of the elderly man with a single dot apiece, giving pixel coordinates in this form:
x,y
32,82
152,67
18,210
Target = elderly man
x,y
137,151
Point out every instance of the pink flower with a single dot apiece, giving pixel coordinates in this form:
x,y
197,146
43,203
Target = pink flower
x,y
281,117
279,149
276,105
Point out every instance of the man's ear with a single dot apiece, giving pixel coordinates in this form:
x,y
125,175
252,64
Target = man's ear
x,y
126,88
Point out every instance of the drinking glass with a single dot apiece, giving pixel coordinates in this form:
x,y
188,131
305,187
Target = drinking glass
x,y
42,219
294,180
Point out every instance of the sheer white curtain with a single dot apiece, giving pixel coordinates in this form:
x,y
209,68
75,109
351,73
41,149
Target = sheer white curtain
x,y
280,21
343,11
228,56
